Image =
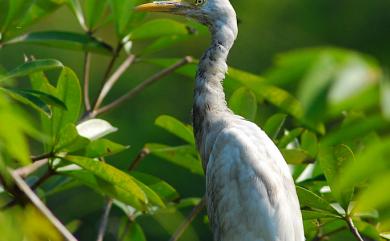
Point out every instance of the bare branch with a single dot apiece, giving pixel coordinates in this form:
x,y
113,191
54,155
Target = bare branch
x,y
139,88
353,229
195,211
22,185
113,79
27,170
104,221
42,156
141,155
87,71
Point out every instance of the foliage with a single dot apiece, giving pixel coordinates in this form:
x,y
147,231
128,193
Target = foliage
x,y
327,109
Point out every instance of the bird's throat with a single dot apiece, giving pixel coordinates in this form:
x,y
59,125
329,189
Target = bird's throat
x,y
209,98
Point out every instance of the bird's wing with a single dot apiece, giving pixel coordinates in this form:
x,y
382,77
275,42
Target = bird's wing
x,y
250,193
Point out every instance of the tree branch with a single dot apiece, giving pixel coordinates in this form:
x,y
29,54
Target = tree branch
x,y
195,211
353,229
87,70
22,185
141,155
104,221
140,87
112,80
27,170
42,156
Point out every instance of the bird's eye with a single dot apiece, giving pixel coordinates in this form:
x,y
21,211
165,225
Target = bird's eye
x,y
199,2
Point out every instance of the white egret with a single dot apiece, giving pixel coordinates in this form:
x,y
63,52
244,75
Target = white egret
x,y
250,193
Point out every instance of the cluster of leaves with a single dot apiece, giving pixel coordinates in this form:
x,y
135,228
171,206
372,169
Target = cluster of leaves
x,y
331,126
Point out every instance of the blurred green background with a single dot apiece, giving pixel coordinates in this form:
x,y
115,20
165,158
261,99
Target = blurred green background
x,y
266,28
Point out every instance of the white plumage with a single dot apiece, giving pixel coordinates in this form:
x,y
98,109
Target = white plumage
x,y
250,193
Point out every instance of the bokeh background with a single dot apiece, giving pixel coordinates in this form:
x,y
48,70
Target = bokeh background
x,y
266,28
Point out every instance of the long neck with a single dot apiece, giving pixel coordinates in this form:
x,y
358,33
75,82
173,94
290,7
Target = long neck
x,y
209,97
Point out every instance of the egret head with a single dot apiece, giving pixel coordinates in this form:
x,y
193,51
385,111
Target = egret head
x,y
205,11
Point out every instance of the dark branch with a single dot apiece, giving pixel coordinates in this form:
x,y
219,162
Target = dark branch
x,y
141,155
140,87
195,211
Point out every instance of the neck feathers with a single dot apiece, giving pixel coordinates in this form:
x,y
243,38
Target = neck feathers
x,y
209,97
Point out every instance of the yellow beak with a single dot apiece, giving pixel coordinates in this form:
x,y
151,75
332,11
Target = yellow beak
x,y
159,6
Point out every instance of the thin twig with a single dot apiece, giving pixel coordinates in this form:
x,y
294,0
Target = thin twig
x,y
27,170
22,185
353,229
112,80
104,221
140,87
140,156
41,157
195,211
49,173
87,72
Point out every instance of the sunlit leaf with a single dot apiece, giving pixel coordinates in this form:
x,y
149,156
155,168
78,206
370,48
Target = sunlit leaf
x,y
296,156
124,15
69,140
311,200
274,124
94,11
309,143
103,147
333,161
12,13
243,102
69,91
123,182
152,197
176,127
64,40
309,215
184,156
163,189
75,6
290,137
33,66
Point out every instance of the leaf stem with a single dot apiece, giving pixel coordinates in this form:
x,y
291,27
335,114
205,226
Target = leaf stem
x,y
104,221
87,71
112,80
42,156
353,228
140,87
195,211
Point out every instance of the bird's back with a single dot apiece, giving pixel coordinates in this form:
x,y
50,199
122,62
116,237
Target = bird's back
x,y
250,192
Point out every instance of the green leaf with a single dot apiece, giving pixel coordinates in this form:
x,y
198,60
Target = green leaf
x,y
289,137
163,189
47,98
371,162
163,42
309,142
243,102
311,200
75,6
30,100
94,11
122,181
158,28
69,91
33,66
375,196
124,16
64,40
385,97
309,215
69,140
296,156
184,156
12,12
103,147
151,195
133,232
274,124
176,127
